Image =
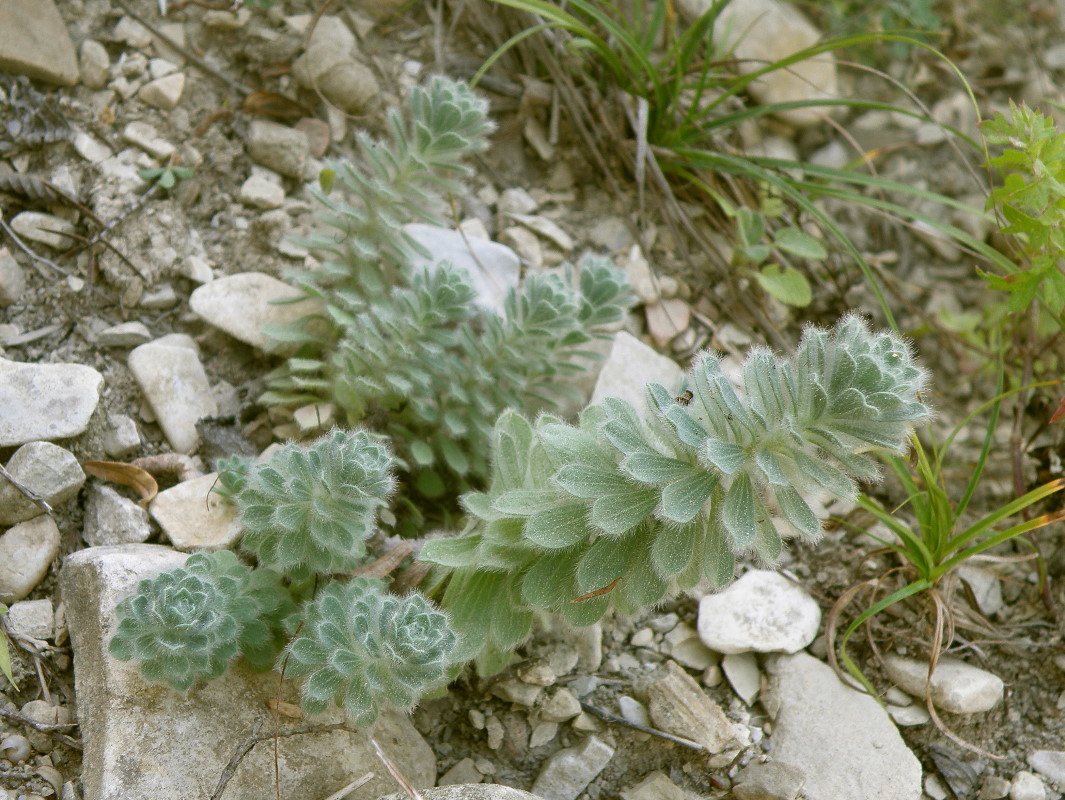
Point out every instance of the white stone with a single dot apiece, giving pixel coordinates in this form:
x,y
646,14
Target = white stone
x,y
278,147
127,723
175,385
162,295
242,304
463,772
561,706
196,269
494,269
42,467
471,791
516,201
909,716
94,64
12,278
759,32
31,618
525,243
655,786
125,334
957,687
568,772
743,675
1027,786
160,67
762,612
46,229
26,552
666,319
121,436
147,138
258,192
546,228
45,401
1050,764
163,93
641,276
343,80
112,519
629,367
985,586
131,32
841,739
92,150
195,518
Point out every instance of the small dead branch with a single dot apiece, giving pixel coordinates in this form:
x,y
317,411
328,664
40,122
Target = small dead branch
x,y
28,493
608,717
393,770
51,730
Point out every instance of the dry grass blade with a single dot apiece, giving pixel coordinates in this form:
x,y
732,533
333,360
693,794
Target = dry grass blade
x,y
386,564
393,770
126,474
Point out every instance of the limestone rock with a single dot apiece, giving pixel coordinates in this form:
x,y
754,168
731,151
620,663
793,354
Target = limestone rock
x,y
762,612
763,31
843,742
49,470
46,229
163,93
125,334
679,706
112,519
956,686
629,367
493,268
35,42
32,618
126,723
242,304
12,278
173,380
770,781
195,518
45,401
568,772
1050,764
666,319
278,147
26,552
94,64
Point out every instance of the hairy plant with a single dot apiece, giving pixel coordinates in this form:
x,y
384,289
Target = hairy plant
x,y
310,507
406,351
188,624
359,646
619,511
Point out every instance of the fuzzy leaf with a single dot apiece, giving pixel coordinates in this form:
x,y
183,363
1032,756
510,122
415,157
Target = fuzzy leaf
x,y
550,580
649,467
682,500
605,562
673,548
590,482
616,513
458,552
787,285
558,527
737,512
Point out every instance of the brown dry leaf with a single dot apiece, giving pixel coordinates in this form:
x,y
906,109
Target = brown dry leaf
x,y
275,106
285,709
126,474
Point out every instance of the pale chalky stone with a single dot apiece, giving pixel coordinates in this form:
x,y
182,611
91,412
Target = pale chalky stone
x,y
568,772
629,367
762,612
956,686
842,741
242,304
195,518
175,384
35,42
26,552
127,723
47,469
163,93
112,519
45,401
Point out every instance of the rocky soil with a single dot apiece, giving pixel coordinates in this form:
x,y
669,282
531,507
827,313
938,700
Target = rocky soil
x,y
130,317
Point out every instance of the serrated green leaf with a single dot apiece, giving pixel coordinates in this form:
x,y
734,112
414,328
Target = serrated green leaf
x,y
798,243
787,285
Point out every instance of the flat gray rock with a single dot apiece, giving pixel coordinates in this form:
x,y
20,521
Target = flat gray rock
x,y
762,612
568,772
493,268
34,42
45,401
45,468
112,519
842,741
956,686
242,304
173,380
148,741
26,552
